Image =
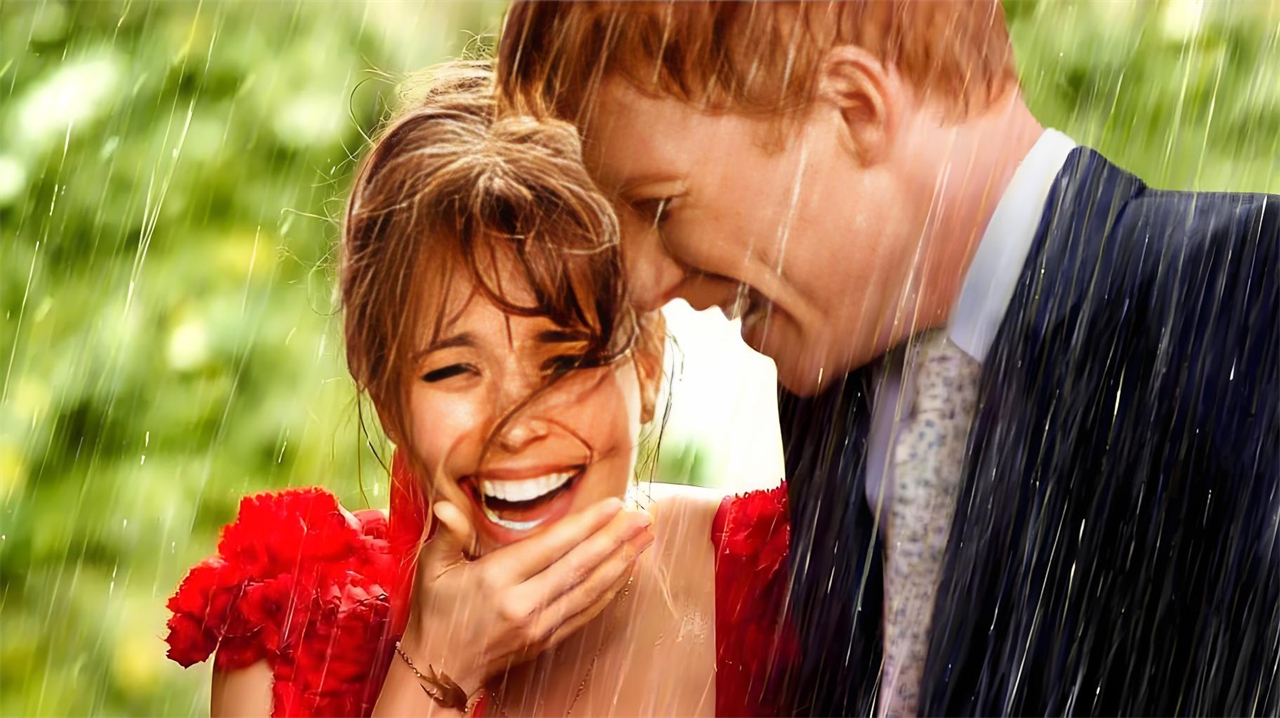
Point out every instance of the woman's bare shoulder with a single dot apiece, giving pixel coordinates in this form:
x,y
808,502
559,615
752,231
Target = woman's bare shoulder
x,y
687,510
683,493
683,553
683,503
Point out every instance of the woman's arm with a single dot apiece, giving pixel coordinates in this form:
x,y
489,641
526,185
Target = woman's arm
x,y
402,695
242,693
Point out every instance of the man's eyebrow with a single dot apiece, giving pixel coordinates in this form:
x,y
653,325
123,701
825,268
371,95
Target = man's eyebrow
x,y
644,181
562,336
464,339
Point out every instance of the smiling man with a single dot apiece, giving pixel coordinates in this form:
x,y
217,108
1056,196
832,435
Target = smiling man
x,y
1031,410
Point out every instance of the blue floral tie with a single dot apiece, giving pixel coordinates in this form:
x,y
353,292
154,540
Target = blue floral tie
x,y
928,456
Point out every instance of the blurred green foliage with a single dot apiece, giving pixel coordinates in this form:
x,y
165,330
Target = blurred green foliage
x,y
168,179
1185,93
169,175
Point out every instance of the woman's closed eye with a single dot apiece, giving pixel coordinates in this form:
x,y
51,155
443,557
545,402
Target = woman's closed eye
x,y
447,372
564,363
561,364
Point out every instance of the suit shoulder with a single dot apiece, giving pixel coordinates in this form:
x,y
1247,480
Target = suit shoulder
x,y
1190,219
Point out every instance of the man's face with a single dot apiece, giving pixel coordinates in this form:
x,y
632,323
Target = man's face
x,y
812,247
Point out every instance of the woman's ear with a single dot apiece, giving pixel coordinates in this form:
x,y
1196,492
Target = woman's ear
x,y
649,353
868,97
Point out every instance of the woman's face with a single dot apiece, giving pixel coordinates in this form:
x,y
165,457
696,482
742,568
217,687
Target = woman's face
x,y
570,447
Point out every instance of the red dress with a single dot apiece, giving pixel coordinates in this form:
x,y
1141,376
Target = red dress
x,y
322,594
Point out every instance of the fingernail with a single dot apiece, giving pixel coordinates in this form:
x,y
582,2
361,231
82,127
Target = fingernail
x,y
635,523
644,542
611,506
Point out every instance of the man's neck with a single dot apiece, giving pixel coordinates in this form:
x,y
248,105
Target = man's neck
x,y
980,158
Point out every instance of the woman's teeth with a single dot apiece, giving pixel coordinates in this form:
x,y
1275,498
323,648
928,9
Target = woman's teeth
x,y
510,495
525,489
513,525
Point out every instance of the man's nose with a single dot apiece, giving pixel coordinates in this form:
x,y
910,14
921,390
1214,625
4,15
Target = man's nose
x,y
653,275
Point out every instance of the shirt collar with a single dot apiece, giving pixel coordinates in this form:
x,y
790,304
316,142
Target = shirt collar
x,y
993,274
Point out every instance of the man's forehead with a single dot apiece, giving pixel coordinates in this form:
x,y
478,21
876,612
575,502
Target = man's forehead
x,y
631,138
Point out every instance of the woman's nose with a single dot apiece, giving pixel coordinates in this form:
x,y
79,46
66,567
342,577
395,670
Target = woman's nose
x,y
520,432
520,408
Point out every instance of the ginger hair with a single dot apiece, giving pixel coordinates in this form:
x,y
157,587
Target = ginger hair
x,y
754,58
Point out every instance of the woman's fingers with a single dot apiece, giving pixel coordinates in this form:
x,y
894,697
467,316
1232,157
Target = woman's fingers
x,y
530,556
568,610
566,628
454,538
586,557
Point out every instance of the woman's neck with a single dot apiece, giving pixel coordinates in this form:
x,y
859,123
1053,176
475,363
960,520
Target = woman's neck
x,y
552,683
659,630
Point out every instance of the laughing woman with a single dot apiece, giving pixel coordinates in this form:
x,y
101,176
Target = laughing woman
x,y
521,570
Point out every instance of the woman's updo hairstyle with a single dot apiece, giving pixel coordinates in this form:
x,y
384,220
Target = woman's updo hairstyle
x,y
451,192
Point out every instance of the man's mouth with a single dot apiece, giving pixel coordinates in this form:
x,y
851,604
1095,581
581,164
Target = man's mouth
x,y
752,308
520,505
757,311
745,303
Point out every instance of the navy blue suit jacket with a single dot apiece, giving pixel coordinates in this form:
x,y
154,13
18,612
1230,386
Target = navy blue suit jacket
x,y
1116,543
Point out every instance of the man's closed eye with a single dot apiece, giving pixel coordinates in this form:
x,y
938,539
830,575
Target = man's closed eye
x,y
654,211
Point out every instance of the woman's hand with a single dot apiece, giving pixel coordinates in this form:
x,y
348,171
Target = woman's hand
x,y
472,618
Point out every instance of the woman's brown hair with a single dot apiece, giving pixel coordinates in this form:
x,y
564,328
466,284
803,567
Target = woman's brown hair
x,y
451,192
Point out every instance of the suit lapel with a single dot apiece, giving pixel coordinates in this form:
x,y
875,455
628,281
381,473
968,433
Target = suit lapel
x,y
1008,525
835,554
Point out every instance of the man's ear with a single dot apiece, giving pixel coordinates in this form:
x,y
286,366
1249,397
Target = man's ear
x,y
649,354
868,97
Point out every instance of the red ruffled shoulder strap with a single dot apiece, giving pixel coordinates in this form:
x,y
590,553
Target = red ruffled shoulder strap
x,y
755,645
285,558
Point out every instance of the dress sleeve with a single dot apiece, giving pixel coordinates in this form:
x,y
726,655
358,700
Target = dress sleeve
x,y
755,645
250,600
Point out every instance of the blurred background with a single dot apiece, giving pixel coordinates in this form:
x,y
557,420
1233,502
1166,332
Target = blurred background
x,y
169,177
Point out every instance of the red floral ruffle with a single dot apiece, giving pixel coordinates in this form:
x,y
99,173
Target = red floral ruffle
x,y
321,594
754,643
304,584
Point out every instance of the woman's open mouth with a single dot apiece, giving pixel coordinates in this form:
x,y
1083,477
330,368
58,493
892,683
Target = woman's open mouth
x,y
518,505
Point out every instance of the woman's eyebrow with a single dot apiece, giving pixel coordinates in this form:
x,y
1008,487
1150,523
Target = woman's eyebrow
x,y
562,336
464,339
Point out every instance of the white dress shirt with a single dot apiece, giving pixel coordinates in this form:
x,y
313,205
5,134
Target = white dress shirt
x,y
984,298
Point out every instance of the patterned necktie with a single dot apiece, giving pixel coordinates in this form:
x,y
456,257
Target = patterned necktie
x,y
928,456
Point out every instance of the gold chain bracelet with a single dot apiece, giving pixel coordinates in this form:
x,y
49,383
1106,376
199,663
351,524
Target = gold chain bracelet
x,y
439,686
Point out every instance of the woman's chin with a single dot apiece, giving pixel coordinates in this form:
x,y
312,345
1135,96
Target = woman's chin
x,y
503,522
